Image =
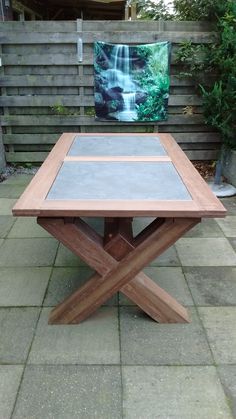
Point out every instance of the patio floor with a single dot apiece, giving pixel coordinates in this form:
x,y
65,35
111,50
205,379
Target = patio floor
x,y
118,363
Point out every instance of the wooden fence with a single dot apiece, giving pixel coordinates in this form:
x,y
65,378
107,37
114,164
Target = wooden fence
x,y
46,90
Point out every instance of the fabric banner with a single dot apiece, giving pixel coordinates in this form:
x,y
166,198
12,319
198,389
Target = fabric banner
x,y
131,82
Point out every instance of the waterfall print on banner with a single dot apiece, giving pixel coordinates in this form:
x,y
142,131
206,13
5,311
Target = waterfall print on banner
x,y
131,82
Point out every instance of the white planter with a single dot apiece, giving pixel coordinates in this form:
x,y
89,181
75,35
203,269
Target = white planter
x,y
229,166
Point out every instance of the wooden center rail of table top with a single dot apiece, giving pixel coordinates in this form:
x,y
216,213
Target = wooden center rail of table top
x,y
147,200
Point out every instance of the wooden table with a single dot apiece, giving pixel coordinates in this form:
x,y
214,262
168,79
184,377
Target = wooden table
x,y
118,177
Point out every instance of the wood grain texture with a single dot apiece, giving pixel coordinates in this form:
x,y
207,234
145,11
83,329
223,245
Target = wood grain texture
x,y
115,275
33,202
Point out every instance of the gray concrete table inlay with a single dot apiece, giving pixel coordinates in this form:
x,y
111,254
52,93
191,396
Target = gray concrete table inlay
x,y
118,181
115,145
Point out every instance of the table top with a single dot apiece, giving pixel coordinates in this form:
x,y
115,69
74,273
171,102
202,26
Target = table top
x,y
118,175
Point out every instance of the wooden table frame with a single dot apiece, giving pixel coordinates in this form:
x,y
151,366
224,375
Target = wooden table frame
x,y
118,258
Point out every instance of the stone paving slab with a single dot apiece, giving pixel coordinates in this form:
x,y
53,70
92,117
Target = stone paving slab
x,y
6,222
230,205
211,286
6,206
69,392
227,375
144,341
28,252
171,280
23,286
11,191
207,228
16,331
233,243
220,326
10,376
206,252
27,228
168,258
173,392
94,341
64,281
18,179
228,225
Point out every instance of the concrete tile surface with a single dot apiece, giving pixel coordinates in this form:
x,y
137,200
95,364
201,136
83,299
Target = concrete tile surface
x,y
230,205
228,225
6,205
220,326
28,252
69,392
10,376
177,371
207,228
18,179
66,258
94,341
206,252
27,228
6,222
146,342
23,286
227,375
168,258
173,392
64,281
171,280
11,191
233,243
17,327
211,286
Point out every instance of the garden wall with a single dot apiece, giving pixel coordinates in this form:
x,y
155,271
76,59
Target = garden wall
x,y
46,89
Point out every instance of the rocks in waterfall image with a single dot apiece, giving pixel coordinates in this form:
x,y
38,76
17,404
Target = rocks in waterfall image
x,y
131,82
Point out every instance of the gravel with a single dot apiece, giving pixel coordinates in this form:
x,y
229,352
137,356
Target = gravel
x,y
12,170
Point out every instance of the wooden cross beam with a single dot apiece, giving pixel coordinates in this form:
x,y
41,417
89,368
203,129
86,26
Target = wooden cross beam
x,y
118,259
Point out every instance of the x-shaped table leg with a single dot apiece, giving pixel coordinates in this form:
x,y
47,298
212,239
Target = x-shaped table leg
x,y
118,261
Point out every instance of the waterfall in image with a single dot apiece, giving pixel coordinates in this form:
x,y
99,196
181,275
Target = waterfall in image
x,y
120,76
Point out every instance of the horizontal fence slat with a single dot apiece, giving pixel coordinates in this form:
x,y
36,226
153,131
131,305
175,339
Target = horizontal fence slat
x,y
202,154
44,81
74,100
196,137
67,81
116,25
30,138
26,157
180,137
133,37
52,59
87,120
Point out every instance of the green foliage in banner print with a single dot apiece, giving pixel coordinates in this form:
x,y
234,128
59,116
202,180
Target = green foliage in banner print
x,y
155,81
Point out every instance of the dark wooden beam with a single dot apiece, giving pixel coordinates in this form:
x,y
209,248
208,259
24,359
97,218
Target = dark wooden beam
x,y
6,10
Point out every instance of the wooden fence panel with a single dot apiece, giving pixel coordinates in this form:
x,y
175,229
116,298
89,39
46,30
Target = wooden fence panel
x,y
45,90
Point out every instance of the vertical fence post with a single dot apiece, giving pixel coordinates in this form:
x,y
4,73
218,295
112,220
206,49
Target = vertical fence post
x,y
3,92
79,28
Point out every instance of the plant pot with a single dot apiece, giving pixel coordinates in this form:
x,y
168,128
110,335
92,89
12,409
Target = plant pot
x,y
229,166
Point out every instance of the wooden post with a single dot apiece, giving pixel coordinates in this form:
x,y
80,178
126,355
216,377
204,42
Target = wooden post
x,y
133,11
2,151
6,10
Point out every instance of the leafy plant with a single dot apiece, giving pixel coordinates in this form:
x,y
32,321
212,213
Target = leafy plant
x,y
219,99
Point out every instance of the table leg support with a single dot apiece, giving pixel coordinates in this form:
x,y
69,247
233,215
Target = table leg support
x,y
122,274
